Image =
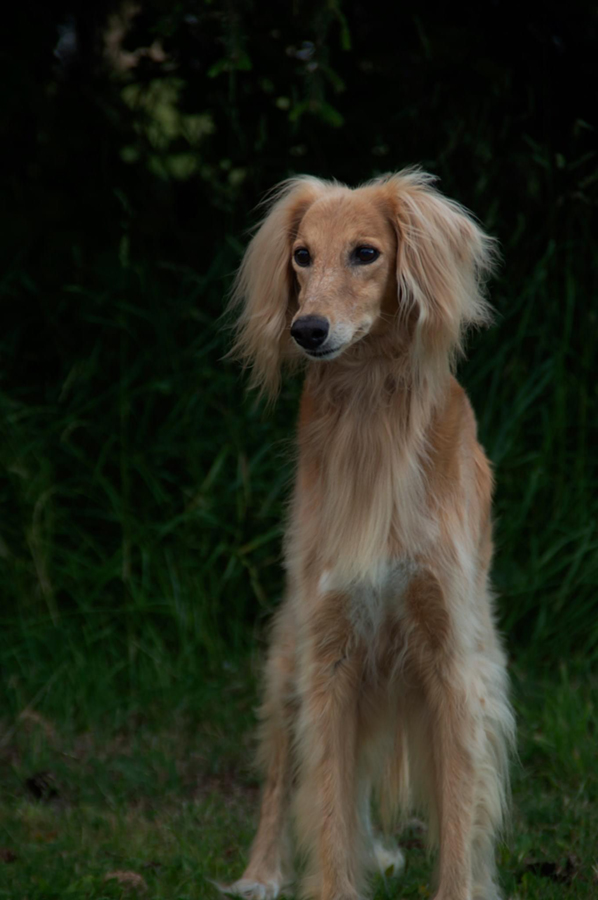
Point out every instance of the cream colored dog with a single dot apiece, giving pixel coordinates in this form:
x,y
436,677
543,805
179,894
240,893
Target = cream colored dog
x,y
385,669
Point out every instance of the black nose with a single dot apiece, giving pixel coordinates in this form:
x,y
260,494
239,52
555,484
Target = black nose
x,y
310,332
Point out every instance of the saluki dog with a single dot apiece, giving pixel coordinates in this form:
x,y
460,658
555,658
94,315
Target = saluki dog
x,y
385,676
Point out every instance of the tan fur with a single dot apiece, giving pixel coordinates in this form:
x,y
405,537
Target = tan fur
x,y
385,670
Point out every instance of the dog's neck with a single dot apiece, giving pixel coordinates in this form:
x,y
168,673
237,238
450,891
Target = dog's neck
x,y
377,376
365,433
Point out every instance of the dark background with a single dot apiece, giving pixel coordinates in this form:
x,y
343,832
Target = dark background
x,y
141,491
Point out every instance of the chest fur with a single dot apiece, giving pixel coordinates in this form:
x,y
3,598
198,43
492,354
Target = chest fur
x,y
360,497
371,598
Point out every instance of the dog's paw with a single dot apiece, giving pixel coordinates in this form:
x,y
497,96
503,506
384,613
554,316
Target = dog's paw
x,y
249,889
389,862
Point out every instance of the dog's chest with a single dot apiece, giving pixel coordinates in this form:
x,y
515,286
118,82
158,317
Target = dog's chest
x,y
360,499
372,598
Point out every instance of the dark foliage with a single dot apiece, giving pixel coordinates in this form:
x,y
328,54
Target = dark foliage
x,y
142,494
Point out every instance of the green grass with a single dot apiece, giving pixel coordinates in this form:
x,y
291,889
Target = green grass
x,y
172,798
143,495
140,556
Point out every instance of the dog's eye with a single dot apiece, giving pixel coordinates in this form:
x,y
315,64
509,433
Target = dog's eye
x,y
364,255
302,257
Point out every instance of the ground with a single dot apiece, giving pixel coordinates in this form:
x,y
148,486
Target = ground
x,y
166,801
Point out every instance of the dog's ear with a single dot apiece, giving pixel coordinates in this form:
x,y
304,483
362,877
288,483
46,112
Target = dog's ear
x,y
443,259
265,286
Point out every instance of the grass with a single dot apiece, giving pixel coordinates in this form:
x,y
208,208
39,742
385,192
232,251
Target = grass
x,y
140,555
171,799
143,496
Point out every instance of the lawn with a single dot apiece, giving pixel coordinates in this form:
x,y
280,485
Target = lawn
x,y
161,802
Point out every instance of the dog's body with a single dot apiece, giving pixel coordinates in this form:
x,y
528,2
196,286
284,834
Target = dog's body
x,y
385,670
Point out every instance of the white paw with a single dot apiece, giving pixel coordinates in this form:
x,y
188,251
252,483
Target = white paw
x,y
390,862
251,890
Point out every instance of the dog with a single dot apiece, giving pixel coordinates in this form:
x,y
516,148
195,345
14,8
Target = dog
x,y
385,675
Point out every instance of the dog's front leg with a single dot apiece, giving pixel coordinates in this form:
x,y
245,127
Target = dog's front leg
x,y
269,867
331,665
448,756
452,735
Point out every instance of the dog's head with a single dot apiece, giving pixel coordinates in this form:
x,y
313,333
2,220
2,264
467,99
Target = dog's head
x,y
330,267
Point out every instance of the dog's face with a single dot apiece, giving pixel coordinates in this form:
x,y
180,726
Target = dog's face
x,y
344,260
330,265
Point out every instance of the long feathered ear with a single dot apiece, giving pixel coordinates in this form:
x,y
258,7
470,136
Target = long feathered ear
x,y
264,287
443,260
